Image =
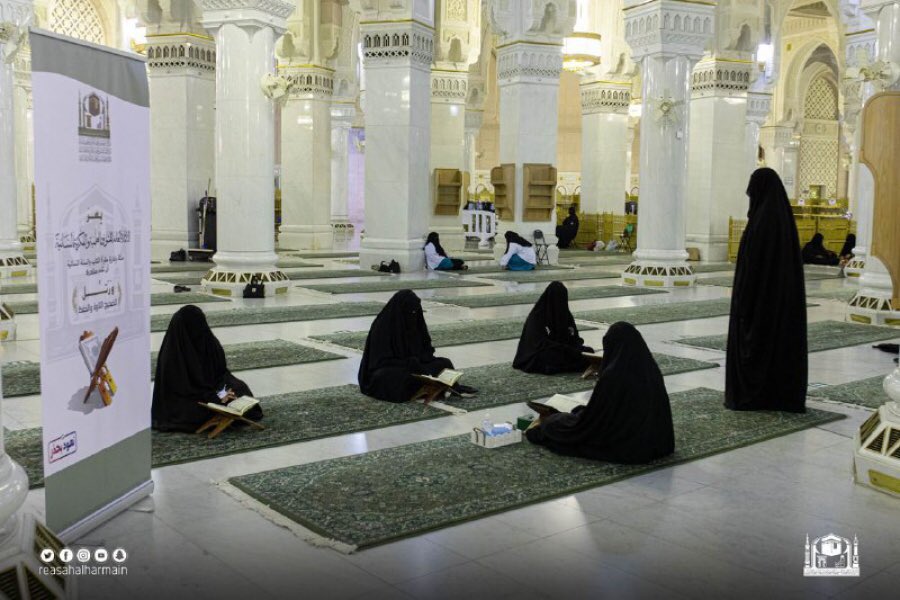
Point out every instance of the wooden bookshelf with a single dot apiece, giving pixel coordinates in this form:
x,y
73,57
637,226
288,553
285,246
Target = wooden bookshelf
x,y
538,191
503,178
447,191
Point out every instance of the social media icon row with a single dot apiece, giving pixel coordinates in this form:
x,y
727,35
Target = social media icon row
x,y
101,555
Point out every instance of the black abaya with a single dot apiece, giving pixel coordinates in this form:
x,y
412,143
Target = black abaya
x,y
628,419
191,368
766,367
566,232
398,346
815,253
550,342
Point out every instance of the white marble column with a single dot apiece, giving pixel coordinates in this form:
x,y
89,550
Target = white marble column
x,y
306,159
342,114
24,148
782,148
12,260
717,155
872,304
397,55
245,32
181,72
604,145
448,126
474,120
759,105
666,50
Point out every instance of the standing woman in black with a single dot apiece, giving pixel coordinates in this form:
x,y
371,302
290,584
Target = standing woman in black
x,y
766,366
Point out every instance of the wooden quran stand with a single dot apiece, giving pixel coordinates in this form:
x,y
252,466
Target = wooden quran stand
x,y
880,151
98,380
595,364
430,390
219,422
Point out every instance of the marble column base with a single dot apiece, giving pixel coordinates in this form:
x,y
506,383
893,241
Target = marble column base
x,y
7,324
855,268
408,253
872,308
656,273
871,467
306,237
713,248
231,284
14,265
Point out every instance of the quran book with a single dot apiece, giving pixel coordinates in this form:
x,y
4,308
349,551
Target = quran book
x,y
559,403
448,377
593,356
237,407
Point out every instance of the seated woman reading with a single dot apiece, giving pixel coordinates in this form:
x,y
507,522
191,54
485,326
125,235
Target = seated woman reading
x,y
436,259
398,348
550,343
191,368
628,419
519,254
815,253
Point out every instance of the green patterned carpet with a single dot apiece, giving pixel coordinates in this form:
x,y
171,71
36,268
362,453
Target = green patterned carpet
x,y
575,293
289,418
381,496
500,384
445,334
278,314
660,313
868,393
392,285
821,335
22,378
728,281
161,299
18,288
838,295
572,275
180,267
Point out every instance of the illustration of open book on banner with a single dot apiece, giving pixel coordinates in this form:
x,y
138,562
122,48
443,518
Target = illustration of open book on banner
x,y
556,403
435,387
226,414
95,355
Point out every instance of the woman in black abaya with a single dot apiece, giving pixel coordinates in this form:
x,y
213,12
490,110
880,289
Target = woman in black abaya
x,y
815,252
191,368
398,347
628,419
550,342
766,366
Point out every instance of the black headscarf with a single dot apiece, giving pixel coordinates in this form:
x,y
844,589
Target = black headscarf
x,y
434,238
849,245
191,368
628,419
514,238
815,253
766,366
398,344
550,342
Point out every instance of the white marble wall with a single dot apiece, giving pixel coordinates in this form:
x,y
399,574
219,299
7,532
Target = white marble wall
x,y
448,121
604,147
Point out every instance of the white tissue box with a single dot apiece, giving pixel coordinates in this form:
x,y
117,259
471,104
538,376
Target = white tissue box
x,y
479,438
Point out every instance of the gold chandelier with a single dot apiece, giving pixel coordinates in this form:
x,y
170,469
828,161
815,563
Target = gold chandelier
x,y
581,50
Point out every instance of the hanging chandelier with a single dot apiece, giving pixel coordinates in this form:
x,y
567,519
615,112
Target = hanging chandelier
x,y
581,50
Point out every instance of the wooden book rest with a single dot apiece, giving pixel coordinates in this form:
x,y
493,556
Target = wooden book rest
x,y
220,421
430,390
100,376
595,364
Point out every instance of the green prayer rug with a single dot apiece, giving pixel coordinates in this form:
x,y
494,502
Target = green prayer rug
x,y
18,288
392,285
868,393
161,299
378,497
278,314
445,334
23,378
838,295
575,293
289,418
659,313
821,335
569,275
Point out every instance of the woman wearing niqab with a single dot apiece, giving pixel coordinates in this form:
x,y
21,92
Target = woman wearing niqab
x,y
397,348
815,252
766,365
550,342
628,418
191,368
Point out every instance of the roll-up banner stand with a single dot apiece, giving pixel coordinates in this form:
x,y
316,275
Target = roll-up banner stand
x,y
92,185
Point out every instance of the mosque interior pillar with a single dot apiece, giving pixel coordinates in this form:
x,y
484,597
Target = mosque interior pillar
x,y
604,145
448,135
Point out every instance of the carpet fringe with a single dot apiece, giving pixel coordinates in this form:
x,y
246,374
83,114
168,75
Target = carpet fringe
x,y
278,519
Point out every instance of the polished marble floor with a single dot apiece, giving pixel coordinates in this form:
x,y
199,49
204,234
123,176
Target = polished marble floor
x,y
729,526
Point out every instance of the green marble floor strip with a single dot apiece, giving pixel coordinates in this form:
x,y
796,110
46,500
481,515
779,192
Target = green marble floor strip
x,y
278,314
377,497
711,267
575,293
160,299
821,335
23,378
838,295
392,285
18,288
445,334
570,275
868,393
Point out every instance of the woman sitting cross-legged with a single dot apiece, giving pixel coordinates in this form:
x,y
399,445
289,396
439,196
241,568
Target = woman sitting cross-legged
x,y
628,419
398,348
436,258
190,369
550,342
519,254
815,252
